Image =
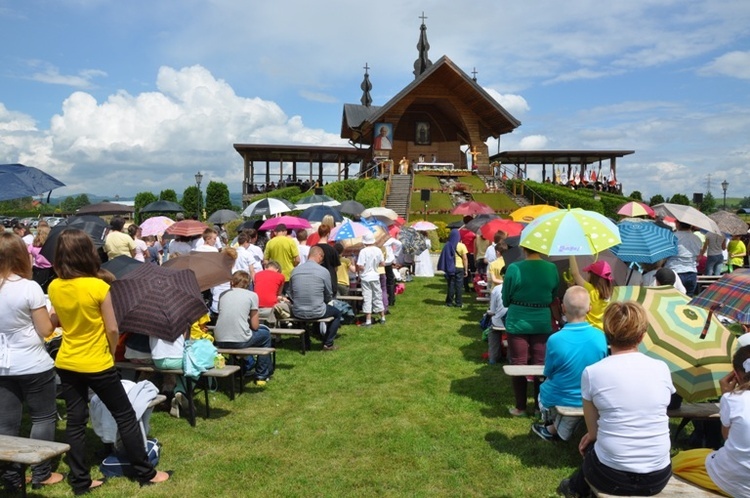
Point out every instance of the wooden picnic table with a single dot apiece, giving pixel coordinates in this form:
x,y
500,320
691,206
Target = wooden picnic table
x,y
26,451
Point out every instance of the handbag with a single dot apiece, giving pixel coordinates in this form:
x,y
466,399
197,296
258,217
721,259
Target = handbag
x,y
199,355
117,465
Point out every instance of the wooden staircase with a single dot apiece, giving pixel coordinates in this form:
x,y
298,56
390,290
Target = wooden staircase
x,y
399,196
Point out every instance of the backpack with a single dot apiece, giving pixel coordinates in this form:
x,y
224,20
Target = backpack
x,y
199,356
117,465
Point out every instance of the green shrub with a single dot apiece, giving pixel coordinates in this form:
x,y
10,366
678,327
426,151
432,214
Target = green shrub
x,y
344,190
371,194
439,235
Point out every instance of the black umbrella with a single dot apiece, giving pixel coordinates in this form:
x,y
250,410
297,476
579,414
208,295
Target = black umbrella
x,y
351,207
514,252
95,227
106,208
137,310
223,216
121,265
316,213
17,180
479,221
455,224
162,207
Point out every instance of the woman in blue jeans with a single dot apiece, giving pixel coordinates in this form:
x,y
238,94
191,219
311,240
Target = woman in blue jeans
x,y
454,263
27,374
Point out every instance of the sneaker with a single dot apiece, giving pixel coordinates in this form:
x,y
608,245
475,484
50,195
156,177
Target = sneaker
x,y
175,408
332,347
541,431
564,489
382,319
261,382
516,412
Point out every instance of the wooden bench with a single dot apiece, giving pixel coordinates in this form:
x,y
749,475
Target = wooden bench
x,y
706,280
281,331
190,384
234,354
26,451
524,370
676,487
307,324
355,302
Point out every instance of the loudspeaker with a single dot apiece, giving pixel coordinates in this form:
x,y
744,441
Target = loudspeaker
x,y
697,197
318,191
425,195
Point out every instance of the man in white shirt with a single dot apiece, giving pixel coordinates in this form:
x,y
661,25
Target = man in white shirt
x,y
209,241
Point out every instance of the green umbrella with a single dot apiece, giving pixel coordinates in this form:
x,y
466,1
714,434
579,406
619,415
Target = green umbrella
x,y
674,336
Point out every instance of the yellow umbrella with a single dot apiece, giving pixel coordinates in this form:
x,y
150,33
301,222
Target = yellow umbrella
x,y
529,213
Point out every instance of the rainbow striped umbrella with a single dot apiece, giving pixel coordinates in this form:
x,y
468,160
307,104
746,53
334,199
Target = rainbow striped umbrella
x,y
674,336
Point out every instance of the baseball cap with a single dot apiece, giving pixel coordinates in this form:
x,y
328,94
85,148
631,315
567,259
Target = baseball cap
x,y
600,268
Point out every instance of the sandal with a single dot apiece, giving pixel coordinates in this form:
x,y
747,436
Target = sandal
x,y
160,477
54,478
94,484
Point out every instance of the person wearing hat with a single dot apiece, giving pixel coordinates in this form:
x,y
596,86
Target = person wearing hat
x,y
282,249
369,260
599,287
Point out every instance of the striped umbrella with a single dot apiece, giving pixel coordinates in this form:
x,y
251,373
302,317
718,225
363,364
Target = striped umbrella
x,y
635,208
729,296
644,243
268,207
674,336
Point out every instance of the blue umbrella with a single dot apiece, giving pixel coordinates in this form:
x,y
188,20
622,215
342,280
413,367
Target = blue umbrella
x,y
373,222
644,242
17,180
316,213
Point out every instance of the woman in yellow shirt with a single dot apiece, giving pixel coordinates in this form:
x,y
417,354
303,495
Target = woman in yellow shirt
x,y
86,359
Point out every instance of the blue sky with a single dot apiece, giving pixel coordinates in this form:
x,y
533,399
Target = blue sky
x,y
114,98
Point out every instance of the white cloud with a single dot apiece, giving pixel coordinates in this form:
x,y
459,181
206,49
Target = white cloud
x,y
51,75
533,142
735,64
514,104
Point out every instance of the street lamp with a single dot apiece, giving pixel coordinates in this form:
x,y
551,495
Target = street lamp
x,y
724,186
198,180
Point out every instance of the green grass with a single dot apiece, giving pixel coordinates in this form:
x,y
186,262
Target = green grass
x,y
438,202
428,182
497,201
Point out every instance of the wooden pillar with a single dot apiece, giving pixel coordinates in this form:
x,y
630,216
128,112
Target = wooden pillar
x,y
544,171
613,167
268,172
320,173
311,164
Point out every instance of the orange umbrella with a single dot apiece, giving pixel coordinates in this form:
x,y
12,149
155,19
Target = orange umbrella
x,y
529,213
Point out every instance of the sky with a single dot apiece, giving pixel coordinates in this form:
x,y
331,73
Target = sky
x,y
115,98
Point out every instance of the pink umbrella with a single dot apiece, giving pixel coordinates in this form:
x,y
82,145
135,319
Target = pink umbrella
x,y
156,225
291,222
635,208
472,208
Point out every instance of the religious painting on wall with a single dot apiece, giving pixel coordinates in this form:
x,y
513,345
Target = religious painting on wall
x,y
383,136
422,133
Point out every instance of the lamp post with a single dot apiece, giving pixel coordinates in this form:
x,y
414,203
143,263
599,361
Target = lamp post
x,y
198,180
724,187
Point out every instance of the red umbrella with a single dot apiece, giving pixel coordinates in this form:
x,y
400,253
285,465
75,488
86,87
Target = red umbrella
x,y
489,229
291,222
472,208
186,228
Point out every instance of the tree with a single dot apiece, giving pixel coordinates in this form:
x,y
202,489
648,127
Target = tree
x,y
217,197
657,199
708,205
636,195
168,195
191,201
73,203
744,203
679,199
142,199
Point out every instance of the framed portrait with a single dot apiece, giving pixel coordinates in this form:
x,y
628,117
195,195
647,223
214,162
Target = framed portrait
x,y
422,133
383,139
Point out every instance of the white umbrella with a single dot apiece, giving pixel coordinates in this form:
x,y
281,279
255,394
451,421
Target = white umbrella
x,y
380,212
268,207
423,226
688,215
316,200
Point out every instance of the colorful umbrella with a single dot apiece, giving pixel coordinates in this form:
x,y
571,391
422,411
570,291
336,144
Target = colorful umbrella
x,y
729,296
349,230
210,268
424,226
186,228
528,214
316,200
472,208
318,212
138,309
291,222
635,208
570,232
688,215
674,336
268,207
353,208
156,225
729,222
644,243
510,227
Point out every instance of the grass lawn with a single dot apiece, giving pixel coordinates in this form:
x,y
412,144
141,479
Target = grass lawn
x,y
402,409
425,181
497,201
438,201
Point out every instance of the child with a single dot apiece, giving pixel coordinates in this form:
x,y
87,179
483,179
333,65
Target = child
x,y
303,248
86,359
369,260
725,470
497,311
495,270
599,287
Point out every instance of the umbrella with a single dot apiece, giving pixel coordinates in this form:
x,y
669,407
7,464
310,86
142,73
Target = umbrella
x,y
186,228
472,208
291,222
424,226
729,296
510,227
210,268
514,252
455,224
121,265
380,213
688,215
17,180
268,207
635,208
621,272
349,230
317,213
162,207
478,221
138,309
413,242
351,207
222,216
570,232
529,213
316,200
95,227
674,336
106,208
729,222
644,243
156,225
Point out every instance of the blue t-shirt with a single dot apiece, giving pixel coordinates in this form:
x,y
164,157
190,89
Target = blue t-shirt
x,y
569,352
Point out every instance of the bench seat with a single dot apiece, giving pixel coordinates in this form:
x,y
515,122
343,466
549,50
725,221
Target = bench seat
x,y
243,352
228,371
676,487
281,331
